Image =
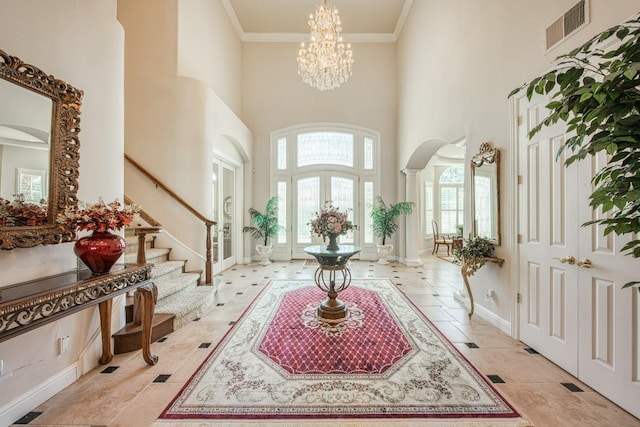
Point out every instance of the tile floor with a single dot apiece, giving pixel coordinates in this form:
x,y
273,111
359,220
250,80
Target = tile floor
x,y
135,394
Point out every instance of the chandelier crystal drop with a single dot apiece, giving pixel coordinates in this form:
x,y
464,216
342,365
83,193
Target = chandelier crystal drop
x,y
326,62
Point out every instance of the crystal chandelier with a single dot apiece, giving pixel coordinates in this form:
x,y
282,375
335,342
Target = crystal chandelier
x,y
326,62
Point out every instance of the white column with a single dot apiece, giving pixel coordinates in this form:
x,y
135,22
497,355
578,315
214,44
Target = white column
x,y
412,241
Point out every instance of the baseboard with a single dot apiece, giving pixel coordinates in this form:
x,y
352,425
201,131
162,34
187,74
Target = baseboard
x,y
22,405
487,315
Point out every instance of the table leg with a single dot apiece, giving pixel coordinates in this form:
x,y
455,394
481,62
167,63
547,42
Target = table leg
x,y
332,310
465,279
105,329
148,295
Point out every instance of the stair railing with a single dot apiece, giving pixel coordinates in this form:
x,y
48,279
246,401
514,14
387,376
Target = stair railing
x,y
207,222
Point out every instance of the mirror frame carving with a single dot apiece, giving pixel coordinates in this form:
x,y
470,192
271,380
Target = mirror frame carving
x,y
64,152
490,155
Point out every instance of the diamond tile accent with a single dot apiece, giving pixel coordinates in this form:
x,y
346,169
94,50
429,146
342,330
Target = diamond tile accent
x,y
572,387
28,418
495,379
109,370
161,378
370,348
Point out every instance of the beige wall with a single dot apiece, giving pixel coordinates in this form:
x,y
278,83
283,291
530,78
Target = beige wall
x,y
82,43
275,97
457,62
175,118
209,49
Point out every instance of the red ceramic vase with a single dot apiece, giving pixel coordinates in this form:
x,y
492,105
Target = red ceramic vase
x,y
99,251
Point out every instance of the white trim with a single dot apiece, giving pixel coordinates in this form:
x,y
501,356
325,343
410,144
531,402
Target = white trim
x,y
488,315
22,405
513,247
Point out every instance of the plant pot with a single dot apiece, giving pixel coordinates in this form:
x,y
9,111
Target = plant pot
x,y
265,253
383,253
99,251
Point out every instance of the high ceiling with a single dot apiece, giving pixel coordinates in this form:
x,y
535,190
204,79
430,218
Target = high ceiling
x,y
286,20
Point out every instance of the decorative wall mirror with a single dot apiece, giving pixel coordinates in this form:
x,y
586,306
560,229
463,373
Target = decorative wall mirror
x,y
39,126
485,192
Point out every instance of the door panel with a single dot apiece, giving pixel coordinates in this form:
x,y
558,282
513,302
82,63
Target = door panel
x,y
549,322
609,358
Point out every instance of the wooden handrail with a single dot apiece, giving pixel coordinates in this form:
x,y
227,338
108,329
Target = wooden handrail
x,y
207,222
143,214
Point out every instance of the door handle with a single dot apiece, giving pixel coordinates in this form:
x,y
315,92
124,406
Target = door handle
x,y
585,263
566,260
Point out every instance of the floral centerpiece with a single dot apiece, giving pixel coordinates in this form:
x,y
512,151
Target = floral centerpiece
x,y
100,250
98,217
331,222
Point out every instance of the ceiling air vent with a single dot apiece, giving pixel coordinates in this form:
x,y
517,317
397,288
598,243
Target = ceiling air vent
x,y
574,19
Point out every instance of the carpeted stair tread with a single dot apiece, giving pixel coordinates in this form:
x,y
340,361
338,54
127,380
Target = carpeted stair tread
x,y
154,256
188,305
168,269
171,285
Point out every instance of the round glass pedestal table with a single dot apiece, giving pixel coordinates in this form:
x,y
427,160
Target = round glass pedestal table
x,y
333,277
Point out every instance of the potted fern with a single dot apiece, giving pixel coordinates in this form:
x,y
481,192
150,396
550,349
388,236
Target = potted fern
x,y
266,227
476,247
385,223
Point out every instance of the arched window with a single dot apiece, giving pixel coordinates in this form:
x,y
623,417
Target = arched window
x,y
312,164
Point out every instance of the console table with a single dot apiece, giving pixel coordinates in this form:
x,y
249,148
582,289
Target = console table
x,y
469,268
29,305
332,310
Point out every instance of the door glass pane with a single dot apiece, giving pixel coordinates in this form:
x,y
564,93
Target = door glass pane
x,y
342,197
228,204
282,211
325,148
216,209
308,205
367,228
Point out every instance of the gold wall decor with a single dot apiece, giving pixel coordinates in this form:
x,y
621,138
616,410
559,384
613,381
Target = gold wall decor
x,y
63,148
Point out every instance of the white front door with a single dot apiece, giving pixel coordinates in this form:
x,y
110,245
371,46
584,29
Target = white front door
x,y
573,308
311,191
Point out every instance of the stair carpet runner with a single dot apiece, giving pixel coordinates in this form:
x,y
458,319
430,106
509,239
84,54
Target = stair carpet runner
x,y
178,291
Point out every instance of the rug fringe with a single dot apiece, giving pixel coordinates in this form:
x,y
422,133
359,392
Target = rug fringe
x,y
518,422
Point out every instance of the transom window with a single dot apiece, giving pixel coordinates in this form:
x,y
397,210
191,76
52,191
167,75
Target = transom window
x,y
329,148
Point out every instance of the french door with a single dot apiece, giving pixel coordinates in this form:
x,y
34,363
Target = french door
x,y
224,212
574,310
310,192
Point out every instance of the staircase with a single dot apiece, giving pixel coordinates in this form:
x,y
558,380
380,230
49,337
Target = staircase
x,y
180,298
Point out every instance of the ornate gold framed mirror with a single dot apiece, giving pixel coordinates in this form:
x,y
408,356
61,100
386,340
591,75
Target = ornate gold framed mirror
x,y
485,192
39,148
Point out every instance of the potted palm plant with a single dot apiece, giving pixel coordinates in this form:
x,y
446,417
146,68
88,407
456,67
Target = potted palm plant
x,y
385,223
266,227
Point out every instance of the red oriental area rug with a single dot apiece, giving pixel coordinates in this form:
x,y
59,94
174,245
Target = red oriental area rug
x,y
386,361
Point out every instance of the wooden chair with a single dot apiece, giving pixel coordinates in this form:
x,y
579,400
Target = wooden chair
x,y
440,239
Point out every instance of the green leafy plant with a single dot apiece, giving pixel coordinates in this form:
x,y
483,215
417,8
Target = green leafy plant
x,y
385,217
266,224
476,247
596,93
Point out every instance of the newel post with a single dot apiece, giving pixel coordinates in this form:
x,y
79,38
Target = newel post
x,y
208,262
